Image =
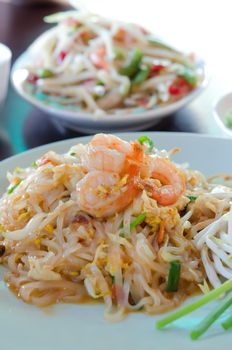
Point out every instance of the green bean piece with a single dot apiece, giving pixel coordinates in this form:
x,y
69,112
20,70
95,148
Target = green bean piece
x,y
133,66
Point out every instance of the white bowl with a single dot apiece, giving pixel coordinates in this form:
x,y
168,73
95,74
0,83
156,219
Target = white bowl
x,y
88,123
5,60
220,109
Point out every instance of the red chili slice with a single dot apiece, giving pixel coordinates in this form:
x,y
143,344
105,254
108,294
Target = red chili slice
x,y
32,78
179,87
61,56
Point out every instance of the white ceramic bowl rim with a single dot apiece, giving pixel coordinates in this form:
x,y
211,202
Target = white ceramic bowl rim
x,y
5,53
220,108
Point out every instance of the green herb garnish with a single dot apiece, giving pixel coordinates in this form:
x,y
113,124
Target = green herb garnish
x,y
45,73
192,198
145,139
142,75
134,223
137,221
210,319
13,187
33,165
227,324
173,276
215,293
228,120
100,83
72,154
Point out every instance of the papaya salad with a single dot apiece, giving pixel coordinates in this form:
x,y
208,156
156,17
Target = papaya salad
x,y
102,66
116,221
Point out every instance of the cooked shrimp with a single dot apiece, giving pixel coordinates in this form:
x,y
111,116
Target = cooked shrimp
x,y
102,194
107,153
172,182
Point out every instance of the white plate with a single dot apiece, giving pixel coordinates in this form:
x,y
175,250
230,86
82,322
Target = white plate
x,y
88,123
82,327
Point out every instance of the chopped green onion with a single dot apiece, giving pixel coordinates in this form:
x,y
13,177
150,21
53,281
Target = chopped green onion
x,y
137,221
142,75
192,198
227,324
33,165
173,276
134,223
100,83
195,305
133,66
72,154
45,73
12,188
210,319
228,120
112,279
145,139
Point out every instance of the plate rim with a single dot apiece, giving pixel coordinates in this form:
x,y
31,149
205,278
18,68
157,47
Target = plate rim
x,y
120,134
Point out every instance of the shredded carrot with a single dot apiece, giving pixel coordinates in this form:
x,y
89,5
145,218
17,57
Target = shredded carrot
x,y
161,232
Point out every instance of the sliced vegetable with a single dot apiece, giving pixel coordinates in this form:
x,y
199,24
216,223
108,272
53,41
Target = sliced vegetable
x,y
225,287
32,78
189,76
142,75
13,187
45,73
33,165
156,68
133,66
179,87
137,221
227,324
145,139
134,223
228,120
192,198
161,232
210,319
61,56
173,276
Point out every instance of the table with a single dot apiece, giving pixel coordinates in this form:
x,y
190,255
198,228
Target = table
x,y
26,127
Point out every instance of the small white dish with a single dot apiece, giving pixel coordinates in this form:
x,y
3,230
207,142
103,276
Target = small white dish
x,y
222,106
137,119
5,60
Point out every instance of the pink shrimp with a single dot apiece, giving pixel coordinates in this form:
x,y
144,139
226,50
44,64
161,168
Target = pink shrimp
x,y
102,194
107,153
172,182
